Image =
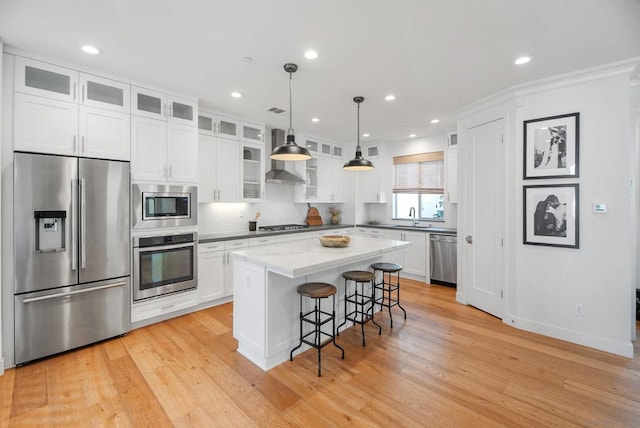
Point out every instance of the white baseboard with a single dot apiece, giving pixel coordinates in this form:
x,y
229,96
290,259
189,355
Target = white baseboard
x,y
1,365
622,348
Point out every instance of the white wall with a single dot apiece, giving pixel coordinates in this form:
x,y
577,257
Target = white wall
x,y
544,284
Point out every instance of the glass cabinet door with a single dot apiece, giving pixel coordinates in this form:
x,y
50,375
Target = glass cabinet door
x,y
252,132
104,93
228,127
311,179
206,123
182,111
147,103
252,172
46,80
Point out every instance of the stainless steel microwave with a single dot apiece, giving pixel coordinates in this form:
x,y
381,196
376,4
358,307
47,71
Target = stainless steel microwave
x,y
158,206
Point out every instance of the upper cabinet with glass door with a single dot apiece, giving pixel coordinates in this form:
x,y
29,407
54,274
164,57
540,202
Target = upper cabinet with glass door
x,y
158,105
59,83
252,132
218,125
63,111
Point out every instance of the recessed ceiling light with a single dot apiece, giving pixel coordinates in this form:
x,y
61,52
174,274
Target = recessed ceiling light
x,y
435,120
390,97
365,135
412,135
236,94
522,60
315,119
91,49
311,54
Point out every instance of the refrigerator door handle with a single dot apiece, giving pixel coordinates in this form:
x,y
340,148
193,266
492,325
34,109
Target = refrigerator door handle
x,y
83,225
74,238
73,293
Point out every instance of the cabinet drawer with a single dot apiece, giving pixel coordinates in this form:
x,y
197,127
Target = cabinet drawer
x,y
163,306
210,247
267,240
236,244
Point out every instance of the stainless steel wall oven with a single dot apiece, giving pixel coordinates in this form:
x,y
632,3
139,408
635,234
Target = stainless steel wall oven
x,y
157,206
164,264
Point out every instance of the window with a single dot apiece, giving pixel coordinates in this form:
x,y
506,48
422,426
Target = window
x,y
418,182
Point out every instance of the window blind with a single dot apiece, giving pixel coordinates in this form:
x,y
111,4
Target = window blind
x,y
421,173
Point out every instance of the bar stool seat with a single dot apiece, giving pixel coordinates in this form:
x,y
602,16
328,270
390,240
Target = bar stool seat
x,y
390,289
317,338
361,301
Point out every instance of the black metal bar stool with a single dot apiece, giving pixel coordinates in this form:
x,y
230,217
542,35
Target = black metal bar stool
x,y
316,338
362,301
387,286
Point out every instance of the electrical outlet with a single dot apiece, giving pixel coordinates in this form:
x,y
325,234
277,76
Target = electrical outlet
x,y
579,309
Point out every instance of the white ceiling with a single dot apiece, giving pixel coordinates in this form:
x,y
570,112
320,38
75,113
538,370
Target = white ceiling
x,y
436,56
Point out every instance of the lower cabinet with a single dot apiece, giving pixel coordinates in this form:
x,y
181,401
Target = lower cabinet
x,y
215,271
163,306
415,259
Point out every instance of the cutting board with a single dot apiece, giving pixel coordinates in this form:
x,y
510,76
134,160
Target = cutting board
x,y
313,217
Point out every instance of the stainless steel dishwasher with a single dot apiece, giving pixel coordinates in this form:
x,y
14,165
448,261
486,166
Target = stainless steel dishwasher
x,y
443,258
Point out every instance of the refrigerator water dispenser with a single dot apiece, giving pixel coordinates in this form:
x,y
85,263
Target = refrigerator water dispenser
x,y
50,228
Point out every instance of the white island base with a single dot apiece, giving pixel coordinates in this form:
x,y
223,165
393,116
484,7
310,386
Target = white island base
x,y
266,306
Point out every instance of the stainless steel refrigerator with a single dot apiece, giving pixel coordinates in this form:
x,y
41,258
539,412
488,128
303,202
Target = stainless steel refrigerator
x,y
71,252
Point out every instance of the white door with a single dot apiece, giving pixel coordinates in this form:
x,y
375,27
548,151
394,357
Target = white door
x,y
211,271
206,172
485,217
228,170
45,125
182,153
105,134
148,149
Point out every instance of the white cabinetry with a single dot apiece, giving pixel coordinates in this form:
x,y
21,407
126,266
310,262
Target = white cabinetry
x,y
451,166
369,182
218,169
164,137
216,124
252,170
415,257
163,306
323,174
62,111
215,271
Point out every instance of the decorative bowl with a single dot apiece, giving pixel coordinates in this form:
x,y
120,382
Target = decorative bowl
x,y
334,241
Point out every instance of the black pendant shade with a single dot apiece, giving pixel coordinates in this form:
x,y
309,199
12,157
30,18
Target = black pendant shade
x,y
290,151
358,163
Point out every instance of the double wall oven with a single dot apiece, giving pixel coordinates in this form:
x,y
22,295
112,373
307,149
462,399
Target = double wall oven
x,y
164,219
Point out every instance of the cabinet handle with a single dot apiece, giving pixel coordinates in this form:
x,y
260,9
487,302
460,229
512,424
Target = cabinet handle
x,y
82,93
82,145
166,307
170,171
74,91
74,143
170,110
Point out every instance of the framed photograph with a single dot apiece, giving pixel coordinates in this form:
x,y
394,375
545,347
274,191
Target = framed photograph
x,y
551,146
551,215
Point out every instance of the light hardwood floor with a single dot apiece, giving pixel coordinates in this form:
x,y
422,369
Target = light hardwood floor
x,y
446,365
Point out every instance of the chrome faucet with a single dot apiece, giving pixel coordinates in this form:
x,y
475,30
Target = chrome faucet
x,y
412,213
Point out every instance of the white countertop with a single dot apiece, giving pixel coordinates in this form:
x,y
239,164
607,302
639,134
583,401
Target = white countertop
x,y
307,256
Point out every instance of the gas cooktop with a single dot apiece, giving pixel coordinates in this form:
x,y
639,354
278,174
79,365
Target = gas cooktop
x,y
283,227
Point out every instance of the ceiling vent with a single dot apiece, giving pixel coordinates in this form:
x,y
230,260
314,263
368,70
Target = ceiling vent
x,y
275,110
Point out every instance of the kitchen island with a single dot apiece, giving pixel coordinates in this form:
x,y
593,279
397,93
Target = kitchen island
x,y
266,304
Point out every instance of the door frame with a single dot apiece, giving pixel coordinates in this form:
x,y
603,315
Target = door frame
x,y
480,115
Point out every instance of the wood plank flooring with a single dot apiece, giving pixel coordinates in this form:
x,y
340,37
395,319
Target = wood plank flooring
x,y
447,365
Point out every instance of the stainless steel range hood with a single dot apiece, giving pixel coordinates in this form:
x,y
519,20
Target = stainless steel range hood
x,y
278,174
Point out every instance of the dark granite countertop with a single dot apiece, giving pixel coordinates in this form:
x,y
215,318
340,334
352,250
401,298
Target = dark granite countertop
x,y
426,229
243,234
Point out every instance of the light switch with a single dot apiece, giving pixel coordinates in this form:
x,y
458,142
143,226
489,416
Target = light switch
x,y
599,208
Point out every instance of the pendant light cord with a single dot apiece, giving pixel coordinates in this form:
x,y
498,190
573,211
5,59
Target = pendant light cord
x,y
290,104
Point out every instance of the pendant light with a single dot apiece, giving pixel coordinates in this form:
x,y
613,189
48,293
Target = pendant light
x,y
290,151
358,163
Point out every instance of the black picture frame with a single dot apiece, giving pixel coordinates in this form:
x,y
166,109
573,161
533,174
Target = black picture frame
x,y
551,215
551,147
